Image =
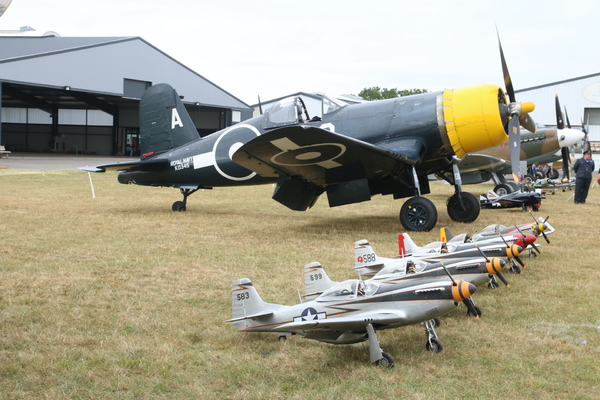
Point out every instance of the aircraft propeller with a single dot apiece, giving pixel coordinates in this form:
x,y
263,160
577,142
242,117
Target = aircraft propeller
x,y
473,310
532,244
519,115
540,227
494,266
513,251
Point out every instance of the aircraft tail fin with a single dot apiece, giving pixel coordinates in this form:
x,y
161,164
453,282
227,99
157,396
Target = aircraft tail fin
x,y
164,121
246,304
445,234
366,262
406,245
316,280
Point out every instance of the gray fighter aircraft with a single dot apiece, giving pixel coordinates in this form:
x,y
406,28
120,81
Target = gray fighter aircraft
x,y
351,311
349,152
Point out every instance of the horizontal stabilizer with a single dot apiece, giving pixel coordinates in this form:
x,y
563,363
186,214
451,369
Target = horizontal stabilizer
x,y
145,165
253,316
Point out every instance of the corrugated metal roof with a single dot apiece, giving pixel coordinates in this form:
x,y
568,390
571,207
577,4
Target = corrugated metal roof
x,y
14,48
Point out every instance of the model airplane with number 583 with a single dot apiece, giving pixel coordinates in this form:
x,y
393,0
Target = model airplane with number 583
x,y
349,152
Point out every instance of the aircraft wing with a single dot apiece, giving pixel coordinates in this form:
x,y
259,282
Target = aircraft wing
x,y
345,323
143,165
318,155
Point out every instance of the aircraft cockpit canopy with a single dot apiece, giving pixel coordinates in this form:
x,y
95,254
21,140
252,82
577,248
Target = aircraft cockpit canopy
x,y
294,110
349,289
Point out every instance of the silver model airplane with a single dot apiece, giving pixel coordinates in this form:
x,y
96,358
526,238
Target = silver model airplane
x,y
352,311
474,269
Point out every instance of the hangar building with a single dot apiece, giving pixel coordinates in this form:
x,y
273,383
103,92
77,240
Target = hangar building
x,y
82,94
581,98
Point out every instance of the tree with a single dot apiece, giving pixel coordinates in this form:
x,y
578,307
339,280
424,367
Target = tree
x,y
377,93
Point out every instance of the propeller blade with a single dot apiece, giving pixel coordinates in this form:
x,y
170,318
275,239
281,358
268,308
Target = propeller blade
x,y
520,261
260,106
515,147
507,80
502,278
564,151
560,124
545,237
567,117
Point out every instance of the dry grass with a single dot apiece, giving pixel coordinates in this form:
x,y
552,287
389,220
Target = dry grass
x,y
119,297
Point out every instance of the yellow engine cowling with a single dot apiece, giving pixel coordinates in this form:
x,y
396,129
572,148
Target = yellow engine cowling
x,y
473,117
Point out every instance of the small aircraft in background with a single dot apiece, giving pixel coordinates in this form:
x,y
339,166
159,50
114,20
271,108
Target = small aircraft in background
x,y
522,200
350,152
351,311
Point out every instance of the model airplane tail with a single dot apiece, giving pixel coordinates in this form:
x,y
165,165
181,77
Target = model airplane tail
x,y
445,234
366,261
164,121
247,304
316,280
406,246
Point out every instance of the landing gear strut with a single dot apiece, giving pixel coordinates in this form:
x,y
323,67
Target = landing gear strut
x,y
378,357
180,206
434,344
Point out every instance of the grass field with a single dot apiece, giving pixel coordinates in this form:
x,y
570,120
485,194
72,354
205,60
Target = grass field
x,y
118,297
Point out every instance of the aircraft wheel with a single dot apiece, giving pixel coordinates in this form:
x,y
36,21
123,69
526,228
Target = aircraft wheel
x,y
437,322
552,173
178,206
515,269
386,361
469,213
503,189
418,214
434,345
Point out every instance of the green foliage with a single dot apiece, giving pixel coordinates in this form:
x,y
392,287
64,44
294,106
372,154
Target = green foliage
x,y
377,93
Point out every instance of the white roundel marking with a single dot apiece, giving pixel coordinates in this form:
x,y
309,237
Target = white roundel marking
x,y
232,149
308,156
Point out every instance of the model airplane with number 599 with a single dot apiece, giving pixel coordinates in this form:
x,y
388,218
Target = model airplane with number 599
x,y
349,152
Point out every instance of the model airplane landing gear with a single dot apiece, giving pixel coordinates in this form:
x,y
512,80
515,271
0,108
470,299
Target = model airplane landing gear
x,y
418,214
434,344
180,206
378,357
463,207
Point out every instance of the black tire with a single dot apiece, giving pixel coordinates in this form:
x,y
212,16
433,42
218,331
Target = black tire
x,y
503,189
469,213
178,206
552,173
434,345
418,214
386,361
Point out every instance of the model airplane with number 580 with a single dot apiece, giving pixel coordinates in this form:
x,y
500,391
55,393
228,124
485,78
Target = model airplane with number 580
x,y
349,152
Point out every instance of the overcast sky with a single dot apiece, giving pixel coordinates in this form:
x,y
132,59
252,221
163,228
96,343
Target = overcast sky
x,y
273,48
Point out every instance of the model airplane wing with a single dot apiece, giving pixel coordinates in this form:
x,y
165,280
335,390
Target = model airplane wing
x,y
320,156
145,165
344,323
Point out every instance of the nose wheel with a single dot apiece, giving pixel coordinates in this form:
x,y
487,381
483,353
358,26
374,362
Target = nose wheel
x,y
434,344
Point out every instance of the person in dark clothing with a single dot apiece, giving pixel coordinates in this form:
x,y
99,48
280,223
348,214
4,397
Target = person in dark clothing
x,y
583,168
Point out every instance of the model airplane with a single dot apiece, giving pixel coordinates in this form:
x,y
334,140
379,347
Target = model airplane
x,y
539,227
352,311
522,200
349,152
474,267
